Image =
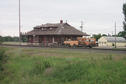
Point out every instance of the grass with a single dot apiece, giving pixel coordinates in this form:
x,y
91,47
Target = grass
x,y
63,66
14,43
3,60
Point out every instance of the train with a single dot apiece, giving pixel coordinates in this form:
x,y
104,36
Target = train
x,y
81,42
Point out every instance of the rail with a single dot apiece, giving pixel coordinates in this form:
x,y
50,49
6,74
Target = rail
x,y
112,49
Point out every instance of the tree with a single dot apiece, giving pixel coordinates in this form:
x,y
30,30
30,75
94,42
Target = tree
x,y
124,12
97,36
9,39
24,38
123,33
104,35
1,39
15,39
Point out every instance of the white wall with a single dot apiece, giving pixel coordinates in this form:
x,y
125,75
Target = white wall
x,y
102,42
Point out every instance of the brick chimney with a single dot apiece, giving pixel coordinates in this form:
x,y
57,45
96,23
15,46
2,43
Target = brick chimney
x,y
61,21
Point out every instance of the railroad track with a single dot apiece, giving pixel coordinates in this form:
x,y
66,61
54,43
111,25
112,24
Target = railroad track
x,y
65,47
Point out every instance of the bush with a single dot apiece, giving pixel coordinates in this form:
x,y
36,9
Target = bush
x,y
3,60
1,40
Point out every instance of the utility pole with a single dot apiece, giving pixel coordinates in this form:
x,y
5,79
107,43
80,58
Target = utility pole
x,y
81,26
112,33
19,24
66,21
115,34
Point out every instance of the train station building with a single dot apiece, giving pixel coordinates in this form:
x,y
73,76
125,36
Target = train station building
x,y
53,33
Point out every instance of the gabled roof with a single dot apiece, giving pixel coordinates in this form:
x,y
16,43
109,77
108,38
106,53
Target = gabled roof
x,y
118,39
56,29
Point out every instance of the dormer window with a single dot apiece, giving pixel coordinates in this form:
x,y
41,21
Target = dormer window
x,y
45,28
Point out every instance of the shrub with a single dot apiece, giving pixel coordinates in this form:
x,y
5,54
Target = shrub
x,y
3,60
0,39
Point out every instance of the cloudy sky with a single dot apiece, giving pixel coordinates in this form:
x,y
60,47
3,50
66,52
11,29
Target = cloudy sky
x,y
98,15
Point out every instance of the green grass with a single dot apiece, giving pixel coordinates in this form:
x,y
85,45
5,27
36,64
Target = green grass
x,y
63,66
14,43
3,61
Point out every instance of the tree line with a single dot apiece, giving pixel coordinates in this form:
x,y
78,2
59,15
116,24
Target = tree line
x,y
9,38
12,39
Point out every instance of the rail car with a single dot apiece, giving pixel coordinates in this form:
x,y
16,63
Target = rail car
x,y
81,42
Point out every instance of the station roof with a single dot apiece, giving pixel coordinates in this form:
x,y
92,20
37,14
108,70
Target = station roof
x,y
56,29
117,39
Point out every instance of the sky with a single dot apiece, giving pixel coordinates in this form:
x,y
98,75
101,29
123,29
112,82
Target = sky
x,y
98,16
